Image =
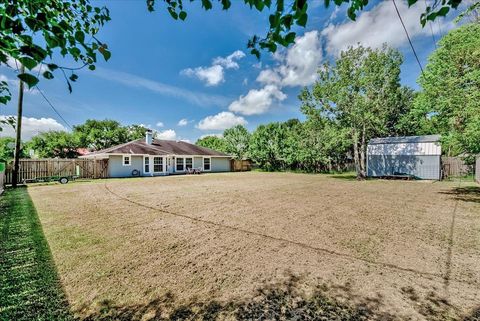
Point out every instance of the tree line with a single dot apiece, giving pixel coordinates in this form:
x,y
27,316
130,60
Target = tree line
x,y
91,135
360,97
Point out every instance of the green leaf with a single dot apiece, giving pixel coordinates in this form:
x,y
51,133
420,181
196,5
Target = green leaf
x,y
52,67
443,11
80,36
411,2
302,20
182,15
91,67
48,75
28,62
106,54
73,77
290,37
29,79
207,4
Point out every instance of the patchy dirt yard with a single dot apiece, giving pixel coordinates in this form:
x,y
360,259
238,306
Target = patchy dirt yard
x,y
204,246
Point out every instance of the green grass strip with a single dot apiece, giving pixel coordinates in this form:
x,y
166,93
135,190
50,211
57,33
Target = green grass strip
x,y
29,284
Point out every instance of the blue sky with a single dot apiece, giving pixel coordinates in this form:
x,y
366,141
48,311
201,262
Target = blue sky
x,y
192,78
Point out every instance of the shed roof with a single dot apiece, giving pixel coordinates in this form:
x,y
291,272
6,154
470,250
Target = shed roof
x,y
405,139
158,147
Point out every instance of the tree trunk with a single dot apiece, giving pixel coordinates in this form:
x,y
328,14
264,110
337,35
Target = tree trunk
x,y
363,172
356,157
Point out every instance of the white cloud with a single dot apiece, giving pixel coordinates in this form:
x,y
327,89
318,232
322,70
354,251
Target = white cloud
x,y
221,121
135,81
184,122
377,26
298,66
229,62
209,135
159,124
168,134
31,126
215,74
257,101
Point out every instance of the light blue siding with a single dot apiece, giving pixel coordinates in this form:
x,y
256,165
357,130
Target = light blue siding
x,y
198,162
420,166
220,164
116,168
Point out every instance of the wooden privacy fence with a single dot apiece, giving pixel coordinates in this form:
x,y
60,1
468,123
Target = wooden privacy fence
x,y
2,179
241,165
34,168
455,166
477,169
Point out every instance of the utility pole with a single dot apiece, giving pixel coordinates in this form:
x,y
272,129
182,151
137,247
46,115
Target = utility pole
x,y
18,128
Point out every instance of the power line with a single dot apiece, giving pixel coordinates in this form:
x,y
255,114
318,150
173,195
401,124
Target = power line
x,y
408,36
54,109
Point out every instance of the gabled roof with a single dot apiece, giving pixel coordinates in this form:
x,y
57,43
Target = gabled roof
x,y
405,139
158,147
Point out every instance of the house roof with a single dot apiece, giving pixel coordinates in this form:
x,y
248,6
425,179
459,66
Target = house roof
x,y
405,139
158,147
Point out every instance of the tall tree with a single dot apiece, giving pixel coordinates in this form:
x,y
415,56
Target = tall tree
x,y
7,149
237,140
359,92
266,146
213,142
54,144
449,103
100,134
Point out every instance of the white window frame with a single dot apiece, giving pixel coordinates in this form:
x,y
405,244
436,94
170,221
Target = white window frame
x,y
129,160
183,164
149,164
163,164
210,164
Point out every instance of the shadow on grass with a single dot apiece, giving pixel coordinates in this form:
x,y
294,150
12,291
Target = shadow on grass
x,y
284,301
29,285
346,177
465,194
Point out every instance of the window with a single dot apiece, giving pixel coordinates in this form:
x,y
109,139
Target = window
x,y
158,164
126,161
179,164
206,164
188,163
147,164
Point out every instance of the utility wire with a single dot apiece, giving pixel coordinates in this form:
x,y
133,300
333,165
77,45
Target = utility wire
x,y
408,36
54,109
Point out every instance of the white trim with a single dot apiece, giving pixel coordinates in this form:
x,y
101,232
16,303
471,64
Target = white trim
x,y
129,160
153,163
210,163
149,165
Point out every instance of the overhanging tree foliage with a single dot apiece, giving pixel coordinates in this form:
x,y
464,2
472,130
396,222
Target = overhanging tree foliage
x,y
285,15
31,31
449,103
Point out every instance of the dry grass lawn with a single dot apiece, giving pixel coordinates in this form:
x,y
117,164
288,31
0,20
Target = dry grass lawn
x,y
388,249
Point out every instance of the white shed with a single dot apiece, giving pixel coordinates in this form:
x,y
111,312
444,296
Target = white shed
x,y
418,156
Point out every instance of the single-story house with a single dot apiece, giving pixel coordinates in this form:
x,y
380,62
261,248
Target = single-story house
x,y
418,156
152,157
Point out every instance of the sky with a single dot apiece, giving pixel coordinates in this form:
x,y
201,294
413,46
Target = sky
x,y
188,79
